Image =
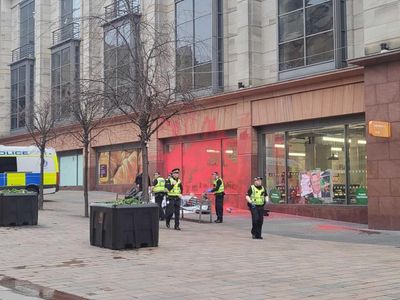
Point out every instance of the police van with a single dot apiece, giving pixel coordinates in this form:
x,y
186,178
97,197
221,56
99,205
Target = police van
x,y
20,168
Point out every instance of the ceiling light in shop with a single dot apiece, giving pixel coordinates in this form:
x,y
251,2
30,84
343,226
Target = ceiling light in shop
x,y
299,154
212,151
333,139
362,142
280,146
229,151
337,149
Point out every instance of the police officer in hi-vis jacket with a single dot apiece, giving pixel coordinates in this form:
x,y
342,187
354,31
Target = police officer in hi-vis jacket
x,y
218,190
174,189
256,198
159,193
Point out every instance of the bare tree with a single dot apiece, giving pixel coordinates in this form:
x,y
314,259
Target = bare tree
x,y
144,89
88,112
40,126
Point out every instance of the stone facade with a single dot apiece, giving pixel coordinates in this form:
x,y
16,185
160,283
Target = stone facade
x,y
250,42
382,103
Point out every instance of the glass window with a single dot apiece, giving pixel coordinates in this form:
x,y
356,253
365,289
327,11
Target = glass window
x,y
8,164
320,48
291,26
119,167
202,76
203,28
63,79
203,51
118,56
305,26
27,24
289,5
194,46
184,11
19,94
202,7
319,18
357,164
316,165
291,55
275,166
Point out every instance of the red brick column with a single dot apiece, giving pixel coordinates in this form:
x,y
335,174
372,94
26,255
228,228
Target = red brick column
x,y
382,103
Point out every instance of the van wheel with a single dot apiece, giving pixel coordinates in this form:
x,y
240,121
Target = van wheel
x,y
34,189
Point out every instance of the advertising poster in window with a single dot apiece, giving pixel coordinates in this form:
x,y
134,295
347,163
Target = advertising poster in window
x,y
316,187
119,167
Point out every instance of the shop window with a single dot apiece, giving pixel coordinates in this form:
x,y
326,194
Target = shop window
x,y
275,166
119,167
357,164
317,167
232,177
198,159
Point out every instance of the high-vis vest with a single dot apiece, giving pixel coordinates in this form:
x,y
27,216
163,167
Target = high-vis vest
x,y
221,187
176,190
257,195
160,186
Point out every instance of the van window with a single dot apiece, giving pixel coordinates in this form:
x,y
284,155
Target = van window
x,y
8,164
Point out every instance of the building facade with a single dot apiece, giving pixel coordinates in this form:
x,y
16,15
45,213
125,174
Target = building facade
x,y
287,89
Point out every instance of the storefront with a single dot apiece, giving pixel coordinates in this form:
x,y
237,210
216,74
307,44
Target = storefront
x,y
316,162
199,157
71,168
117,166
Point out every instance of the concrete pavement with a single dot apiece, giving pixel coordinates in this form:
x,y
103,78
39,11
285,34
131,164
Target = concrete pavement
x,y
299,258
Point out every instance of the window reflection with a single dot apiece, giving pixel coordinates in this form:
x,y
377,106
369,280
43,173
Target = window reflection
x,y
194,19
308,26
316,166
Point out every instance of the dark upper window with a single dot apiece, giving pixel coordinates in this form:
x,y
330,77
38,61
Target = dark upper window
x,y
197,43
307,33
118,45
27,23
70,11
64,77
21,92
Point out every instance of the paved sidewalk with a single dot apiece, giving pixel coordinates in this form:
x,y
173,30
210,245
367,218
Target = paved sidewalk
x,y
299,258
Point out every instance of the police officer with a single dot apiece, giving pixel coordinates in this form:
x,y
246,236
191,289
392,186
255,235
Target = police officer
x,y
174,189
218,190
159,192
256,198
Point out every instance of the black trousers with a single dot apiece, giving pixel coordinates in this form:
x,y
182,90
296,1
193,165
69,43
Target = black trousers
x,y
219,205
159,197
173,208
257,217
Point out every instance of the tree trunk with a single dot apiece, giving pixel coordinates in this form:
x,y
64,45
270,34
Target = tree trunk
x,y
41,198
145,173
85,178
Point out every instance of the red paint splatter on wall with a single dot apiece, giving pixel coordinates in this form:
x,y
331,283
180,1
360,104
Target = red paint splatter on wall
x,y
201,158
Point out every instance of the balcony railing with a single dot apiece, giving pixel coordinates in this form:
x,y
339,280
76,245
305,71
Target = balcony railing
x,y
121,8
26,51
67,32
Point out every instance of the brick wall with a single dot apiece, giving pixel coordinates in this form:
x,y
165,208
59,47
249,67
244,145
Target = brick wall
x,y
382,102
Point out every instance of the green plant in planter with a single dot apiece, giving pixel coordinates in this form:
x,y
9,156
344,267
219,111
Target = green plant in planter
x,y
13,191
128,201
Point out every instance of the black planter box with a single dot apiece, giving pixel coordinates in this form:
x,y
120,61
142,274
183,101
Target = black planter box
x,y
18,209
124,226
